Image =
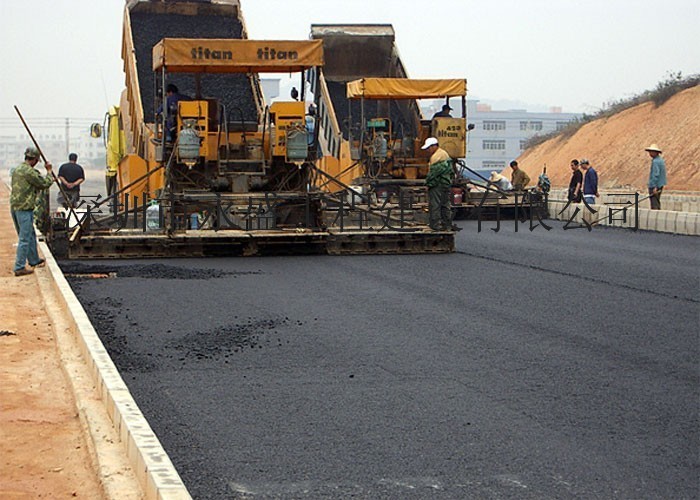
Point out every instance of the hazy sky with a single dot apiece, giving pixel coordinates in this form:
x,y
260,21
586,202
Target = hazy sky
x,y
61,58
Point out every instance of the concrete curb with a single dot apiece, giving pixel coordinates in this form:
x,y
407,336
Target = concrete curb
x,y
108,459
663,221
151,464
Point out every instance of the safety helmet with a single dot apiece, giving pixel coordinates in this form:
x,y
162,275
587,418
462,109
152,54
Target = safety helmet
x,y
31,152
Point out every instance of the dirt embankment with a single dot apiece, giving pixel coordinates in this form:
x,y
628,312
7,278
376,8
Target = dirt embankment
x,y
615,146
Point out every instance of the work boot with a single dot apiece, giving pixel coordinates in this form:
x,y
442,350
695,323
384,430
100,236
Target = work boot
x,y
41,263
23,272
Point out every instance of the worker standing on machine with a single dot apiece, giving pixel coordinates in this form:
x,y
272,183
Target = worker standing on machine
x,y
439,181
173,96
444,113
310,124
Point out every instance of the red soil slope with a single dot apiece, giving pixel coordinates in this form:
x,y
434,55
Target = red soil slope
x,y
615,146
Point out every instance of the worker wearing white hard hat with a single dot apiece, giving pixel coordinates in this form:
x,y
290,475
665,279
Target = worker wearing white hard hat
x,y
439,182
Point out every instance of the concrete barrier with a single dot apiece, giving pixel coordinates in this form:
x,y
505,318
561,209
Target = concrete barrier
x,y
692,224
682,223
676,201
643,218
653,221
666,221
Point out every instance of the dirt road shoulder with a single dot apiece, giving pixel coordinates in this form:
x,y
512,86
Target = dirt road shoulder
x,y
56,439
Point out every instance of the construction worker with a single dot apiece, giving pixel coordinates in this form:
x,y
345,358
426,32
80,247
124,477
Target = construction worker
x,y
657,176
71,175
115,149
27,183
173,96
439,181
576,182
590,182
310,123
518,178
110,180
500,181
445,113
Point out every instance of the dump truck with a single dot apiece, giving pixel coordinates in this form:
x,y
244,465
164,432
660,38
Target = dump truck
x,y
218,171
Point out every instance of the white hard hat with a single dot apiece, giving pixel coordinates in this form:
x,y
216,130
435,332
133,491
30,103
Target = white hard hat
x,y
430,141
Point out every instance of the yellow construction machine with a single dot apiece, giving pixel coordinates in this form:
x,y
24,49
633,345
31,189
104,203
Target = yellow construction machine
x,y
380,156
370,124
209,168
384,151
211,152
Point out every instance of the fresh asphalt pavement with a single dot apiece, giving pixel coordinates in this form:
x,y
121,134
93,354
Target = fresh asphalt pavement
x,y
544,364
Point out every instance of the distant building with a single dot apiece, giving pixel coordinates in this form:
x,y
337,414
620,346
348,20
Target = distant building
x,y
271,88
10,150
90,151
500,136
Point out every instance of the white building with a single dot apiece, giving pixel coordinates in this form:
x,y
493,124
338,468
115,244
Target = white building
x,y
500,136
90,151
271,88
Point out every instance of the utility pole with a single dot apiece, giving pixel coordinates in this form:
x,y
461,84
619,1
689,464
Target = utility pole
x,y
67,137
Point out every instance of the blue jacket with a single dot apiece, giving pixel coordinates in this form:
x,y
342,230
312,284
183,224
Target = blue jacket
x,y
171,108
590,182
310,126
657,174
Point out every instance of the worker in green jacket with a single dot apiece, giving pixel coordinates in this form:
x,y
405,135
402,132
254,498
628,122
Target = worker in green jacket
x,y
27,183
439,182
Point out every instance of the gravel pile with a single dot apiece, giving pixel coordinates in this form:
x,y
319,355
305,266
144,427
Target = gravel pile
x,y
220,343
105,315
343,105
233,91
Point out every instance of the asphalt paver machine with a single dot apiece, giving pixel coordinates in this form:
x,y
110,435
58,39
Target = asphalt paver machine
x,y
236,176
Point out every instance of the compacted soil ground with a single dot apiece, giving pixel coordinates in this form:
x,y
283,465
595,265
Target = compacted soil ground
x,y
44,447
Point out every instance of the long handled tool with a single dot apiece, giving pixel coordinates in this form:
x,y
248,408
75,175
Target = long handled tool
x,y
36,144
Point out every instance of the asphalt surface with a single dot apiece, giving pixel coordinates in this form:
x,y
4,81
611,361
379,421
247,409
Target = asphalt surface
x,y
560,364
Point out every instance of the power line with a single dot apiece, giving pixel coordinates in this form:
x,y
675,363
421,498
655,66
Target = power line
x,y
47,124
57,118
